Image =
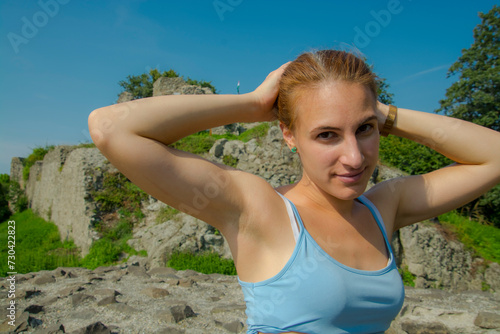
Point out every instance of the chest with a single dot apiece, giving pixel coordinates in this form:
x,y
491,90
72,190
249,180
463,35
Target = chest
x,y
357,243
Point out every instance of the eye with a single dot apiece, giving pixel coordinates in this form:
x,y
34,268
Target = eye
x,y
365,128
326,135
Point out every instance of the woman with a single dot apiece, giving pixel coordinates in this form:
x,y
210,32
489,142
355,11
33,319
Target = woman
x,y
312,257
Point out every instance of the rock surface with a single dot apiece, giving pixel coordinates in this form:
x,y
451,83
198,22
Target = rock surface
x,y
130,299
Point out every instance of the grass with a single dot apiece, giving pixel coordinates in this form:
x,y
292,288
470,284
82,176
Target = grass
x,y
207,263
202,141
37,245
482,239
166,213
258,132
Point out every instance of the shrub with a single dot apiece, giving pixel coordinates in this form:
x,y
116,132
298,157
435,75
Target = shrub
x,y
415,158
409,156
38,154
207,263
4,196
407,276
229,160
103,252
119,193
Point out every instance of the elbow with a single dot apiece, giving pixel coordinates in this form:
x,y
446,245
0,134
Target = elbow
x,y
99,127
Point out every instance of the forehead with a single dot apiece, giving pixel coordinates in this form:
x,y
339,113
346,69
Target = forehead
x,y
336,104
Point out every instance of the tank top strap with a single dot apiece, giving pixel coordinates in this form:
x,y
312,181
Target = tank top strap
x,y
376,214
295,221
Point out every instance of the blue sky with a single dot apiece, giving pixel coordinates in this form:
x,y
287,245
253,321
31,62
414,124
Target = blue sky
x,y
63,58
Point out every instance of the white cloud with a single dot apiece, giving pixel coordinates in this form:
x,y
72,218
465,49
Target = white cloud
x,y
424,72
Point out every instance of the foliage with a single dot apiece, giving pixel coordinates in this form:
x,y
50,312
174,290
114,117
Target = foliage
x,y
383,92
141,86
37,154
15,195
85,145
201,83
103,252
202,141
166,213
117,196
112,245
4,178
119,193
483,239
257,132
37,245
197,143
207,263
409,156
407,276
475,97
229,160
4,197
489,206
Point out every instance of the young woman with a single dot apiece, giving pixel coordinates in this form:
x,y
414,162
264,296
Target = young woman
x,y
312,257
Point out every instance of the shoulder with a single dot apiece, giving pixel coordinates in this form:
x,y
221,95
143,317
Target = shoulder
x,y
385,197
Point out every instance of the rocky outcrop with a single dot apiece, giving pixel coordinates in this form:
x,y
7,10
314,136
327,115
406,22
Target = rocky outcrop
x,y
270,158
132,299
125,97
177,86
439,261
182,233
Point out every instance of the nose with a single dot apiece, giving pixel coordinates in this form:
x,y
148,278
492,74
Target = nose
x,y
351,154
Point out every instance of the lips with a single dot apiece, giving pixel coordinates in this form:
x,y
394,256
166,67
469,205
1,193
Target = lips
x,y
351,177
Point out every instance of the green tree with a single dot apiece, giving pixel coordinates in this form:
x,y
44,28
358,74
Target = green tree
x,y
141,86
475,97
383,92
4,192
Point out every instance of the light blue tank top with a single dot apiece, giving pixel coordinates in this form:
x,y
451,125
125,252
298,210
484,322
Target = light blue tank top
x,y
316,294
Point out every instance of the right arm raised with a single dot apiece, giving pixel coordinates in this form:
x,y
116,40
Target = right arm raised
x,y
135,135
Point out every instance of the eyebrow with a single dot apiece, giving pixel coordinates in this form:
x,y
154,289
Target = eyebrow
x,y
330,128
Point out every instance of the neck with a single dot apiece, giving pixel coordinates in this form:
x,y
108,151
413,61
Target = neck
x,y
309,194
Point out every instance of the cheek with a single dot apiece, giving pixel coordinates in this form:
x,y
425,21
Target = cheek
x,y
371,148
322,156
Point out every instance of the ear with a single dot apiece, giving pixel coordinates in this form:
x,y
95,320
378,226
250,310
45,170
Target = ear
x,y
287,135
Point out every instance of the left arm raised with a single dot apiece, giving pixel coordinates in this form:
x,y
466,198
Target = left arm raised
x,y
475,149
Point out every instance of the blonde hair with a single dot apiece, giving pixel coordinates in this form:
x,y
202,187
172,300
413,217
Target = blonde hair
x,y
311,69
